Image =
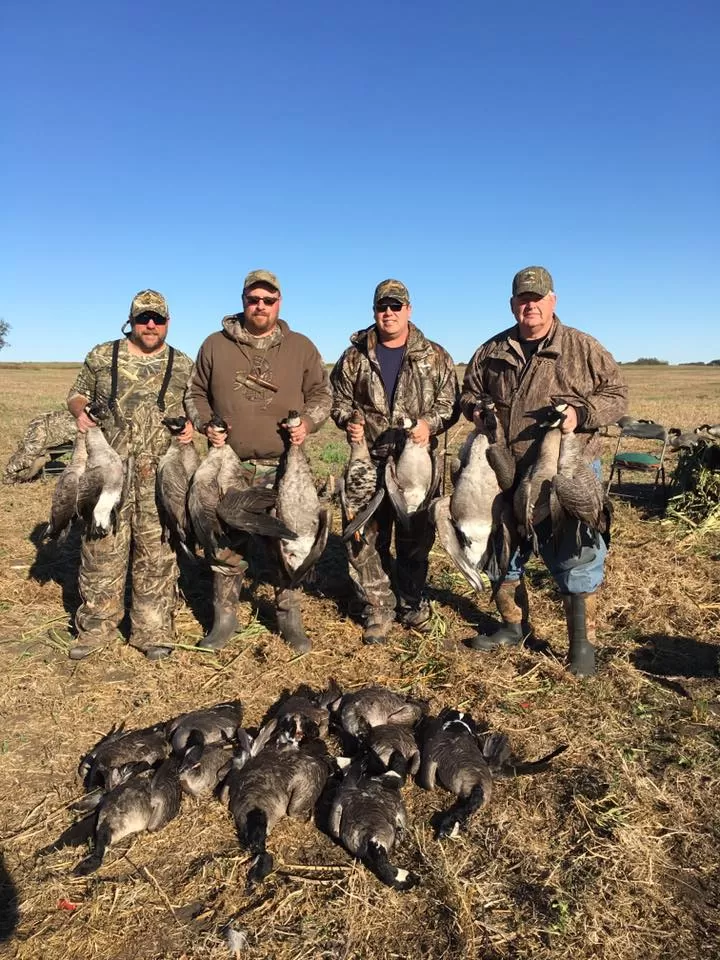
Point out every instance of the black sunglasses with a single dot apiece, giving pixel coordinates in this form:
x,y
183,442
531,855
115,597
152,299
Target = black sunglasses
x,y
144,318
254,301
382,305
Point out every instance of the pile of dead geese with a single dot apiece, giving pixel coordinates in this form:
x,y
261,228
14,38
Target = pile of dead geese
x,y
135,780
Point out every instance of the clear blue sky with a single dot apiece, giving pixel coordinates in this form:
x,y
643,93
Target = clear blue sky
x,y
178,145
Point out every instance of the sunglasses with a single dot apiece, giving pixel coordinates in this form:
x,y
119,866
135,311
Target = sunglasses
x,y
145,318
382,305
254,301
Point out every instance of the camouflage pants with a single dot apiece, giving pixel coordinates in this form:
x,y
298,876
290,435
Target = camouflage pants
x,y
377,579
136,543
234,561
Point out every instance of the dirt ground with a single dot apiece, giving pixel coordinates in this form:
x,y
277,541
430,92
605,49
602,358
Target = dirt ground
x,y
612,853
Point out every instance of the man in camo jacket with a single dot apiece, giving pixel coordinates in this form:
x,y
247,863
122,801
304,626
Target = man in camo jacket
x,y
143,395
537,362
392,371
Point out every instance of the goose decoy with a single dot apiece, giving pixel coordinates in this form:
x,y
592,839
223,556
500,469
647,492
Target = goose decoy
x,y
361,491
174,473
368,817
283,777
65,496
147,801
710,430
475,523
677,440
412,479
298,507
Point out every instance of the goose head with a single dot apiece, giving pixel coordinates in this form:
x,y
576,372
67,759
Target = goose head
x,y
175,425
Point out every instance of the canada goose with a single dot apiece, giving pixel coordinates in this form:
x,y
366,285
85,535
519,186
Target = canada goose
x,y
216,724
298,507
147,801
119,748
678,440
412,478
531,502
101,487
285,778
65,495
361,492
452,756
373,707
474,524
204,765
174,473
306,703
218,495
710,430
577,492
368,817
392,740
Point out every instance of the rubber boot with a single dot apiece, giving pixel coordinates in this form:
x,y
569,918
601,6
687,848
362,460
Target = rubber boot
x,y
289,620
580,612
513,606
226,590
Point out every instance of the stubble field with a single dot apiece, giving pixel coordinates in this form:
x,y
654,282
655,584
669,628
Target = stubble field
x,y
612,853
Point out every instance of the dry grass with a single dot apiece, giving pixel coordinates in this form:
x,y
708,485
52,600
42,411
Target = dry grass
x,y
611,854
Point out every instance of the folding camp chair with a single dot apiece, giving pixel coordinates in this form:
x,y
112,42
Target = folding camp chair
x,y
633,435
56,459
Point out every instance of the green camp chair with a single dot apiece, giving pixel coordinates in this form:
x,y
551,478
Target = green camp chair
x,y
627,456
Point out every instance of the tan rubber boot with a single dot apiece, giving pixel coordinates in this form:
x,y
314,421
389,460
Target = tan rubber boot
x,y
289,620
581,616
513,606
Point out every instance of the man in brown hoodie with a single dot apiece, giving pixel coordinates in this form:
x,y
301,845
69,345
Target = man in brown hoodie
x,y
537,362
250,374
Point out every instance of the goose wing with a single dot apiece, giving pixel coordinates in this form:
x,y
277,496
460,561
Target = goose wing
x,y
247,510
172,485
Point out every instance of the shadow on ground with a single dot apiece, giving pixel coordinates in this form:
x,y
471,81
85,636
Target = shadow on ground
x,y
666,656
9,913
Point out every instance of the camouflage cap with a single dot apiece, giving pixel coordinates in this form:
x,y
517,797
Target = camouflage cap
x,y
149,301
532,280
392,289
261,277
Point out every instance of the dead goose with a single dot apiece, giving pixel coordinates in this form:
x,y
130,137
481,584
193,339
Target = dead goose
x,y
101,487
392,740
373,707
219,496
531,502
65,496
174,473
204,765
147,801
298,507
217,724
306,704
577,492
368,817
361,491
412,478
474,524
283,778
119,748
452,757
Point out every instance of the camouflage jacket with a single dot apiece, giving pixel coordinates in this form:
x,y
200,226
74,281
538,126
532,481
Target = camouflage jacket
x,y
426,388
289,365
43,432
569,366
136,426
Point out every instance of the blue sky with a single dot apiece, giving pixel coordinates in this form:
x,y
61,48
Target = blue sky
x,y
177,145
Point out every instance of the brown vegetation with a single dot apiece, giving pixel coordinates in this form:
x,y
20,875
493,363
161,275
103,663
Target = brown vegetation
x,y
610,854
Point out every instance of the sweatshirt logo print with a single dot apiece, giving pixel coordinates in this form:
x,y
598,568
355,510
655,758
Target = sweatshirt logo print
x,y
254,393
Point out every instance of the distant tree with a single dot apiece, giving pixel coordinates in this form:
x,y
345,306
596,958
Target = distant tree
x,y
714,363
649,362
4,327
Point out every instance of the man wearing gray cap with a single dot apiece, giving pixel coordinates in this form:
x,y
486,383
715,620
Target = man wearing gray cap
x,y
139,380
536,363
392,372
250,374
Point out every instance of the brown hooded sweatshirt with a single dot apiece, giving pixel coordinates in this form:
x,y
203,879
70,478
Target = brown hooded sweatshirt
x,y
218,385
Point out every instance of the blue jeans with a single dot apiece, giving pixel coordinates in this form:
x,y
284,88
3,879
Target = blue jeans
x,y
574,569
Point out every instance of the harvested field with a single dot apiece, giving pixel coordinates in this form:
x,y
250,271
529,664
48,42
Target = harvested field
x,y
612,854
